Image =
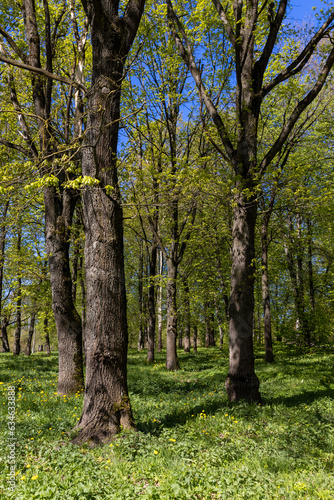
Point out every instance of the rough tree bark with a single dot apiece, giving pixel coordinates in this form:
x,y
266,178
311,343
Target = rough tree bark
x,y
106,402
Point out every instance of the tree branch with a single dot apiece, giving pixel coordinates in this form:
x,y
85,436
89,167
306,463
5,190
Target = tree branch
x,y
301,106
19,148
298,64
13,45
187,55
225,21
41,71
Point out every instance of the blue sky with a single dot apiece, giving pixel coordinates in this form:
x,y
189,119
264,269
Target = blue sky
x,y
302,8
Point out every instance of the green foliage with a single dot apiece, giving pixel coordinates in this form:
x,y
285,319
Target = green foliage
x,y
191,443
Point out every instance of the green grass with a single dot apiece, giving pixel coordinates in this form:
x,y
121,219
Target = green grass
x,y
191,442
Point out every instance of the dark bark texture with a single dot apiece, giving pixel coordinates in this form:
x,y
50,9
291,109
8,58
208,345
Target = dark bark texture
x,y
106,401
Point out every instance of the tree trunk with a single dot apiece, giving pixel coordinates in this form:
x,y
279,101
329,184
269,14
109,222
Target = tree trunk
x,y
151,304
27,351
265,294
83,308
5,343
47,336
311,277
106,402
171,355
160,302
220,328
17,334
209,329
3,232
186,315
195,339
58,218
140,299
241,381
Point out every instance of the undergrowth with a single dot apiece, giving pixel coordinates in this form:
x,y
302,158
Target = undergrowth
x,y
191,443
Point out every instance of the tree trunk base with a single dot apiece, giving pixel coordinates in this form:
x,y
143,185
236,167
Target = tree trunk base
x,y
269,357
243,387
172,365
97,434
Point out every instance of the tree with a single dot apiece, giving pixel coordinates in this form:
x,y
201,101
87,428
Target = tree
x,y
253,31
106,401
45,149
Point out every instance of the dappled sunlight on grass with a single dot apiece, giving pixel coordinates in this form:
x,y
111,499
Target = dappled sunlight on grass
x,y
191,443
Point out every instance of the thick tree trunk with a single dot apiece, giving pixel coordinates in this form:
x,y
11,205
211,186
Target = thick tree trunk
x,y
4,335
265,294
27,351
242,382
151,305
58,217
106,402
171,355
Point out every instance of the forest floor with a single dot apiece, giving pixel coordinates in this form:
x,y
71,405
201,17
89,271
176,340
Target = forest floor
x,y
191,442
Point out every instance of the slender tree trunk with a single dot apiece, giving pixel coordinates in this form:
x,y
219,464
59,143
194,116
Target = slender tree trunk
x,y
27,351
209,329
151,304
46,335
179,340
195,339
265,294
3,231
242,382
4,335
17,334
160,302
171,356
311,277
186,315
220,328
140,299
83,307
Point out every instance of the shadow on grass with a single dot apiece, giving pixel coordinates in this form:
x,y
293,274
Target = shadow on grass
x,y
306,397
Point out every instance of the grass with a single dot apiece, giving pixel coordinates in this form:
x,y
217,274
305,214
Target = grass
x,y
191,442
